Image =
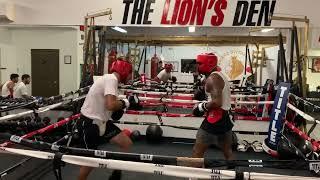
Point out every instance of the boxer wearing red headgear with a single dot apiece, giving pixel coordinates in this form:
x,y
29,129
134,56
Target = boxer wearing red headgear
x,y
100,106
165,74
216,128
122,68
207,63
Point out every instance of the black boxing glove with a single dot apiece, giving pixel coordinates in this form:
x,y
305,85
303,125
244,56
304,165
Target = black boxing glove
x,y
174,79
200,94
199,109
117,115
132,102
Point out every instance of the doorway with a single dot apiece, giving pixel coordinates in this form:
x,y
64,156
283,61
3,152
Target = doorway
x,y
45,72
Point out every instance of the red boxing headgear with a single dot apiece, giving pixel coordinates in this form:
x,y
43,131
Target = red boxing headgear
x,y
168,67
123,68
206,63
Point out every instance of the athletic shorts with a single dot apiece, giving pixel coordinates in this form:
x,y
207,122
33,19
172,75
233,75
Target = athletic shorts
x,y
89,136
219,140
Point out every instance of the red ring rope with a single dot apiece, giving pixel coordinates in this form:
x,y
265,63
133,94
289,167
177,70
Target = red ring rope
x,y
45,129
158,113
315,144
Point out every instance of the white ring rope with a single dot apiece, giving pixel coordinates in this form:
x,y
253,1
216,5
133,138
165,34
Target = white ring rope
x,y
305,101
187,95
195,101
303,114
167,170
40,110
157,169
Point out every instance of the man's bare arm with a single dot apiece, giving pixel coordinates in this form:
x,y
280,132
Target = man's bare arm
x,y
217,85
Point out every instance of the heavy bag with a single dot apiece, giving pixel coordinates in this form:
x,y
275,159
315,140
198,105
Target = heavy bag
x,y
154,66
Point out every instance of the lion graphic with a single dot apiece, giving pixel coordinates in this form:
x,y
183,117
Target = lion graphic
x,y
237,68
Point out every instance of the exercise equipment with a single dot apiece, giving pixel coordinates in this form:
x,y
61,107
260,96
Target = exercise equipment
x,y
135,135
154,133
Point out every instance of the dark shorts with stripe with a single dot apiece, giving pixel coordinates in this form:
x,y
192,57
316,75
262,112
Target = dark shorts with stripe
x,y
217,133
89,136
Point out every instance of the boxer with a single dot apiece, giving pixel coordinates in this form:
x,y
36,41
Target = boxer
x,y
101,104
7,87
165,74
217,126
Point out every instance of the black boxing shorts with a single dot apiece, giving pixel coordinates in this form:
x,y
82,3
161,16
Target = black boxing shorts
x,y
89,136
217,122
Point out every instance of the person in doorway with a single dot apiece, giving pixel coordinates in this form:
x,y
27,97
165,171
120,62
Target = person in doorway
x,y
165,75
102,104
20,89
217,126
8,87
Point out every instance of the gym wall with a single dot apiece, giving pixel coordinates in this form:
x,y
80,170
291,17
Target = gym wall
x,y
17,55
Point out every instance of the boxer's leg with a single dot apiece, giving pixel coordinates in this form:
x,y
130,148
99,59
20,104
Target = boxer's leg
x,y
90,135
200,147
120,139
225,143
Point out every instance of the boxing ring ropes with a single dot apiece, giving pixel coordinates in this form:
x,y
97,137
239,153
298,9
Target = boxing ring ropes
x,y
145,163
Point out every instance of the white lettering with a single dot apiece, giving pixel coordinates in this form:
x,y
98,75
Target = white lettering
x,y
279,103
277,112
273,136
254,161
283,90
146,157
98,153
273,126
315,167
15,139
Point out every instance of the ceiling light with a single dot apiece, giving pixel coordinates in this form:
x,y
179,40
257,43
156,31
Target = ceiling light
x,y
119,29
267,30
192,29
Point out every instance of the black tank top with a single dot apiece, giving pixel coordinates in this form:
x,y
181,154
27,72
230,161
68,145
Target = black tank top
x,y
222,126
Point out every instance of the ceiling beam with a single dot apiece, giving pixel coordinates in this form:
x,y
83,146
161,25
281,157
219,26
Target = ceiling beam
x,y
202,40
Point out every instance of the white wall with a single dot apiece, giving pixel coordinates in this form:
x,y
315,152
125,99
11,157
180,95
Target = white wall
x,y
64,39
16,52
7,55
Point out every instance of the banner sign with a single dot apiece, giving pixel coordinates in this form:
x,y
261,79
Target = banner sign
x,y
277,114
214,13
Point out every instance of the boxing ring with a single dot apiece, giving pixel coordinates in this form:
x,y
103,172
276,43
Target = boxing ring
x,y
173,124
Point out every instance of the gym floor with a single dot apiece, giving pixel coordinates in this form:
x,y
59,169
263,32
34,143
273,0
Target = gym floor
x,y
36,169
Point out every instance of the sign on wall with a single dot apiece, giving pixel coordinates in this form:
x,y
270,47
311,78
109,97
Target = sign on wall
x,y
210,13
215,13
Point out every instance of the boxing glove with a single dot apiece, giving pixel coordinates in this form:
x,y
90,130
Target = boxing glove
x,y
200,94
117,115
132,102
199,109
174,79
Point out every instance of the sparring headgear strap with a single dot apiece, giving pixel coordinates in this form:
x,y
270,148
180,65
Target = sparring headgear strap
x,y
123,68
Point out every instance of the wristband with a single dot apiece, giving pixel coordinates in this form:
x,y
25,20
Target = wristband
x,y
202,107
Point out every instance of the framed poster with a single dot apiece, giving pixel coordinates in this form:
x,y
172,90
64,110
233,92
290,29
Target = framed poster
x,y
188,65
316,64
67,59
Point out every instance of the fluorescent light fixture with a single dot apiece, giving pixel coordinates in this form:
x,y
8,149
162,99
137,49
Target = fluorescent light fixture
x,y
192,29
119,29
267,30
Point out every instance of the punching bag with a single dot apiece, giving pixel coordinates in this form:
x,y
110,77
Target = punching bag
x,y
154,66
